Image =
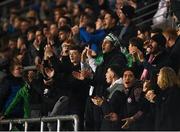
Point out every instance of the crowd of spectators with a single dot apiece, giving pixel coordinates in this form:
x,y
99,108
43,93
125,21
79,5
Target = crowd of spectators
x,y
89,58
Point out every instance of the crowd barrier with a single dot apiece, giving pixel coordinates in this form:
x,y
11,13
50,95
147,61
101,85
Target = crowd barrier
x,y
42,120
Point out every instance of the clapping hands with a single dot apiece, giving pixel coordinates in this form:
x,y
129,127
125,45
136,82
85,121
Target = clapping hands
x,y
81,75
150,95
97,100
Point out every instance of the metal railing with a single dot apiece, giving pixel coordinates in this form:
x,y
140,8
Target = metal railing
x,y
146,14
149,13
147,6
42,120
4,3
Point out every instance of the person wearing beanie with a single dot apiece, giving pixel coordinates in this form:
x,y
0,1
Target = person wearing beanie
x,y
128,28
110,42
113,39
111,56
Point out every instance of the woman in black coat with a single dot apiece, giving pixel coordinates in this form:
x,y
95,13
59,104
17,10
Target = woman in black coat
x,y
167,101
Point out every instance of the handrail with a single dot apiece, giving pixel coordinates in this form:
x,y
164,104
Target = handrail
x,y
6,2
145,14
148,13
42,120
145,21
143,8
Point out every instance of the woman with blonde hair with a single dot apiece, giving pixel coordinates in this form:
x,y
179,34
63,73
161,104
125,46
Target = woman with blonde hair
x,y
167,101
167,78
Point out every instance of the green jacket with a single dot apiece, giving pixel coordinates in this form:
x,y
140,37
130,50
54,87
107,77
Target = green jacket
x,y
22,94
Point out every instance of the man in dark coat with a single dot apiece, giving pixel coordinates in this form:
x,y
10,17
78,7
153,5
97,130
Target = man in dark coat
x,y
76,90
157,58
127,29
173,47
110,23
113,101
111,55
135,104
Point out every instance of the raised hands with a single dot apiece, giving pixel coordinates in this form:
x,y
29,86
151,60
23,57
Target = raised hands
x,y
97,100
136,53
128,122
140,55
81,75
81,22
48,52
87,53
146,86
84,55
111,116
150,95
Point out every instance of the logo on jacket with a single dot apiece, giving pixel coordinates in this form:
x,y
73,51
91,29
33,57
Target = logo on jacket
x,y
129,100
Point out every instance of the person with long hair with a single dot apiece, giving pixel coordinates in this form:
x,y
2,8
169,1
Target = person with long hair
x,y
167,101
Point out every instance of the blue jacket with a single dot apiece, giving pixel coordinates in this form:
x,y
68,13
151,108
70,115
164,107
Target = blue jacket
x,y
92,39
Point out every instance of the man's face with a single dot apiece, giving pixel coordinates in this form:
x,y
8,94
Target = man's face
x,y
12,44
122,17
53,29
30,36
38,37
65,48
128,79
62,22
56,16
140,35
17,71
109,76
24,26
75,56
153,47
107,21
62,36
17,23
106,46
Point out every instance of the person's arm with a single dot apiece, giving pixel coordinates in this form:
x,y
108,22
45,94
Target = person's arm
x,y
22,93
91,38
132,119
92,64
